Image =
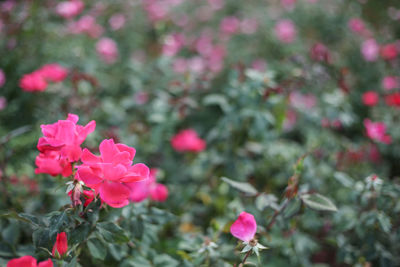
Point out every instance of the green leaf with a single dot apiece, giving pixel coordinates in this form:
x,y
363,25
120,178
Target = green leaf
x,y
79,234
165,260
267,200
318,202
112,232
11,233
241,186
57,221
22,217
97,249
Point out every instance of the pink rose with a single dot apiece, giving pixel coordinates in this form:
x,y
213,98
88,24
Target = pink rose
x,y
107,50
112,173
69,9
285,31
377,131
245,227
370,50
188,140
370,98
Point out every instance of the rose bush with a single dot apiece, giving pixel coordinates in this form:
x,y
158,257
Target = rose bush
x,y
275,123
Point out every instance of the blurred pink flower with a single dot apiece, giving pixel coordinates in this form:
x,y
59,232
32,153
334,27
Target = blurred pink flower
x,y
148,188
188,140
86,24
377,131
33,82
65,136
53,72
230,25
285,31
117,21
111,173
389,51
2,78
107,50
319,52
69,9
370,98
393,99
172,44
357,25
196,64
245,227
370,50
390,82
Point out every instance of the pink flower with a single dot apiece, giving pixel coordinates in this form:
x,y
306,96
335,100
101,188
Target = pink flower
x,y
29,261
111,173
357,25
148,188
33,82
141,97
69,9
393,99
86,24
370,98
60,248
107,50
2,78
172,44
377,131
117,21
187,140
230,25
390,82
370,50
245,227
53,72
319,52
389,52
285,31
52,163
65,136
159,193
302,101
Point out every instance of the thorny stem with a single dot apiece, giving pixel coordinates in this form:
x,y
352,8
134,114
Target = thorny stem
x,y
277,212
245,257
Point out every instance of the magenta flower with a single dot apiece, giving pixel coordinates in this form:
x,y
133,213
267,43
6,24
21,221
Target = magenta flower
x,y
65,136
29,261
370,98
230,25
245,227
33,82
52,163
188,140
377,131
285,31
53,72
112,173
